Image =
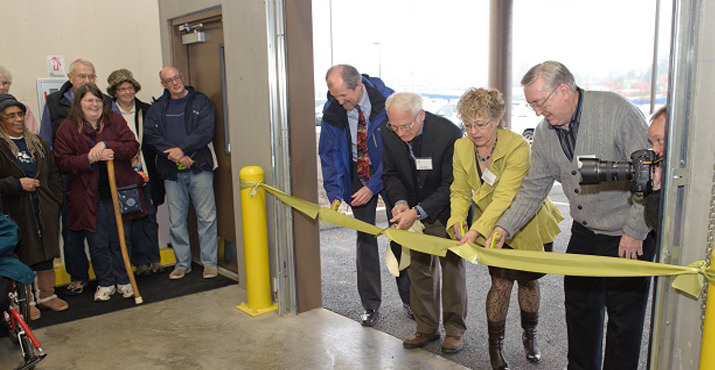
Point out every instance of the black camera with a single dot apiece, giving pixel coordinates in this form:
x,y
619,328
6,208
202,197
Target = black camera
x,y
638,170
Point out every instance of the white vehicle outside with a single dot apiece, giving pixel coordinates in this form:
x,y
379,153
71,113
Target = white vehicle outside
x,y
523,120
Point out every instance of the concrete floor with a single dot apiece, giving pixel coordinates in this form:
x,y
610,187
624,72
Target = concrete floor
x,y
206,331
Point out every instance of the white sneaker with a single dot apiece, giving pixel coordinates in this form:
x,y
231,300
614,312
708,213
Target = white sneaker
x,y
103,293
178,273
125,290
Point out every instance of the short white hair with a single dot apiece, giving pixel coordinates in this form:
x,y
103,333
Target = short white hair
x,y
408,100
5,73
83,62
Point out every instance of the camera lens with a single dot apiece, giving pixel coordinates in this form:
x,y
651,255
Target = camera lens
x,y
595,171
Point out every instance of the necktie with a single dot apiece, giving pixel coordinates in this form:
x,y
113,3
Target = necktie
x,y
363,160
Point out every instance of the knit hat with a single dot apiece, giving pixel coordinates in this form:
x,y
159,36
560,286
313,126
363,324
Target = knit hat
x,y
118,77
7,100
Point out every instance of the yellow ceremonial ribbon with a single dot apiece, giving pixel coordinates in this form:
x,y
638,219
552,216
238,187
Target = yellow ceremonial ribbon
x,y
689,279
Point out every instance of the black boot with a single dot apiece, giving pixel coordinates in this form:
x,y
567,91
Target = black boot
x,y
496,342
528,323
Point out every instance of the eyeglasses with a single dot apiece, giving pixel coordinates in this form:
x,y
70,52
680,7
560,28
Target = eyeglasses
x,y
85,76
542,105
90,101
13,116
405,127
5,83
176,78
476,125
125,89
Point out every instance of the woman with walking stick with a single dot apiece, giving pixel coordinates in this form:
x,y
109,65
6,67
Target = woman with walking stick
x,y
91,136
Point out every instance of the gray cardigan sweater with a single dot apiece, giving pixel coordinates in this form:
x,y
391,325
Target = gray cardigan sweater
x,y
611,129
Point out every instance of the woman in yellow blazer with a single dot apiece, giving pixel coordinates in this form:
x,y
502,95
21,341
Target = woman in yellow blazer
x,y
489,165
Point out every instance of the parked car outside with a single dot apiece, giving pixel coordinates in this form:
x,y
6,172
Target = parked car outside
x,y
523,120
449,111
319,103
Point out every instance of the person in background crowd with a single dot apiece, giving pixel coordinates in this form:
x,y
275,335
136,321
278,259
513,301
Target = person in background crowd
x,y
489,165
179,128
5,83
417,172
57,108
350,149
144,233
90,136
31,195
606,219
656,136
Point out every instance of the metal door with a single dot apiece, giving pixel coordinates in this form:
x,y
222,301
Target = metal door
x,y
197,45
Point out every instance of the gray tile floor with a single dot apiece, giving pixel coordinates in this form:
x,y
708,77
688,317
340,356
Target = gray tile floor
x,y
206,331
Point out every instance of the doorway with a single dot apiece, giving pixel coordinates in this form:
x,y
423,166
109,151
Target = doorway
x,y
197,46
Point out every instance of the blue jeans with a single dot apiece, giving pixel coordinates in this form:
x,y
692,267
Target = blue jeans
x,y
104,247
198,186
144,235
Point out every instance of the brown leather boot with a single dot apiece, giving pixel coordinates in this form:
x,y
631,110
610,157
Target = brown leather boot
x,y
35,313
496,342
529,321
47,298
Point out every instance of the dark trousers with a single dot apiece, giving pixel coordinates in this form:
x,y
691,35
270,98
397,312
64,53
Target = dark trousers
x,y
144,235
589,298
427,293
104,247
368,258
75,258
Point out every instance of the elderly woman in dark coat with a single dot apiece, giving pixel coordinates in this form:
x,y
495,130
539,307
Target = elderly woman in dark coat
x,y
31,195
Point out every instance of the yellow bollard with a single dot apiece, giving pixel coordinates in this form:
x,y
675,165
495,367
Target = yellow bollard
x,y
255,245
707,355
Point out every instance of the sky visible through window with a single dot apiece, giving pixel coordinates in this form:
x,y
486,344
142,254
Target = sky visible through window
x,y
441,48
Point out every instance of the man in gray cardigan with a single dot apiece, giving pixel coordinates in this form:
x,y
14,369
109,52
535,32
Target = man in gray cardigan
x,y
606,220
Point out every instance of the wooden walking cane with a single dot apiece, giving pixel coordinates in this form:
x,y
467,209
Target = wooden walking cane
x,y
120,230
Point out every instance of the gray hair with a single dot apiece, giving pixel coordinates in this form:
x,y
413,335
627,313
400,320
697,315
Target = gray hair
x,y
348,73
408,100
554,74
662,111
83,62
5,73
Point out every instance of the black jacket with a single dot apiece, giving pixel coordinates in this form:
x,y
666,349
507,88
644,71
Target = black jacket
x,y
156,184
428,188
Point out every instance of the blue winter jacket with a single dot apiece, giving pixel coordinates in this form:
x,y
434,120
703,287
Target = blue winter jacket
x,y
11,267
200,119
335,145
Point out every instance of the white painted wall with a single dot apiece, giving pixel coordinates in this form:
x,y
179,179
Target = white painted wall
x,y
111,34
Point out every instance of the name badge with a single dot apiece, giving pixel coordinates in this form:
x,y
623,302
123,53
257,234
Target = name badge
x,y
489,177
423,164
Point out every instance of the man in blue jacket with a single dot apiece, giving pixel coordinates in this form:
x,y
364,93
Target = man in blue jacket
x,y
350,151
179,128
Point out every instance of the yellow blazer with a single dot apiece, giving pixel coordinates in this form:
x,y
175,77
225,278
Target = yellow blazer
x,y
510,163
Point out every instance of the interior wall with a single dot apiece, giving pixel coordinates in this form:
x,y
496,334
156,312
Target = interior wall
x,y
111,34
245,35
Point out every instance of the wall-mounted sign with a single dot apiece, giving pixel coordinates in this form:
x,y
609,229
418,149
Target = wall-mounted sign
x,y
56,66
46,86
